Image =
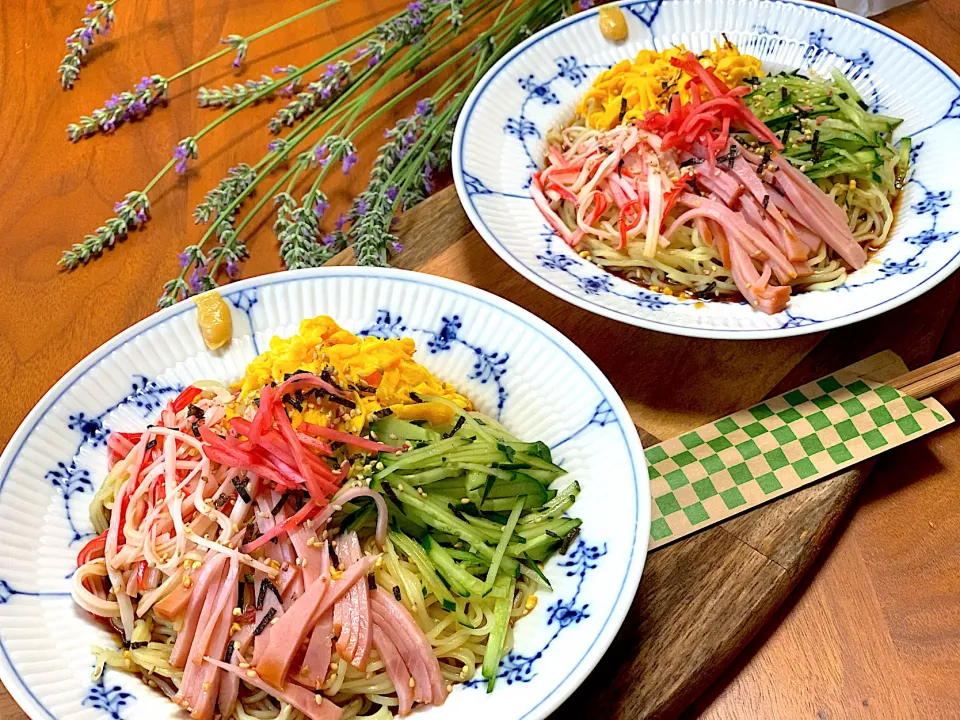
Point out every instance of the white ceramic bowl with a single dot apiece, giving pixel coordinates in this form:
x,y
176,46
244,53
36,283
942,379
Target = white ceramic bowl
x,y
511,364
500,141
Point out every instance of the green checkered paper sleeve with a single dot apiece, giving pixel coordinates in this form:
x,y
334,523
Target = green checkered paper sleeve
x,y
745,459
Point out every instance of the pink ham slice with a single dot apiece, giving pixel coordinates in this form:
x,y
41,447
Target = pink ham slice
x,y
212,570
396,669
355,638
300,697
287,635
397,624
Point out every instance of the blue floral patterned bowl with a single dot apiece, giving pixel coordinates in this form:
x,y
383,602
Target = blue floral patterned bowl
x,y
500,141
513,365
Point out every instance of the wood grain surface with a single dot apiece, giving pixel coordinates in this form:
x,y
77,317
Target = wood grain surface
x,y
874,632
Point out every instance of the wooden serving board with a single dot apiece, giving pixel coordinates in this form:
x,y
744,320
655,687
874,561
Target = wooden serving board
x,y
701,599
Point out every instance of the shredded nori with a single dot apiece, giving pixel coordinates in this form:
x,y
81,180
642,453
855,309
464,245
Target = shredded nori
x,y
220,501
784,94
456,426
568,540
265,585
294,403
241,588
137,645
194,411
396,592
341,401
816,149
623,109
266,621
242,490
552,534
786,135
620,168
334,558
151,444
416,398
228,653
380,414
195,428
279,506
690,162
371,582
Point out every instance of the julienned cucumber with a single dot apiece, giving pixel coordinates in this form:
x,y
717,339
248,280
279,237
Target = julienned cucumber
x,y
498,633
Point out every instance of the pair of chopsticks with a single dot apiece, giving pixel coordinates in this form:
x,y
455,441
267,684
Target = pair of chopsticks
x,y
929,379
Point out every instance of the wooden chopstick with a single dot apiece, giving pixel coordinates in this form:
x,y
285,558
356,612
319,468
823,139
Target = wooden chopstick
x,y
929,379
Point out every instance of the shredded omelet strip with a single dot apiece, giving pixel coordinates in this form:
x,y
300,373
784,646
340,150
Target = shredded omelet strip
x,y
385,366
648,82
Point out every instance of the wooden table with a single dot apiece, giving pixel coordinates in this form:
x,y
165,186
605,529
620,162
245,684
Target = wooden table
x,y
873,632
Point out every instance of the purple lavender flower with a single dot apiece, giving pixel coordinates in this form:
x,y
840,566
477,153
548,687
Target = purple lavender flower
x,y
349,161
321,207
320,155
409,139
97,21
117,207
329,240
372,62
112,101
361,208
144,83
278,70
341,221
361,52
274,145
183,259
236,63
423,108
392,193
196,278
330,72
91,8
586,4
233,270
181,155
397,247
415,7
87,35
428,179
141,216
326,92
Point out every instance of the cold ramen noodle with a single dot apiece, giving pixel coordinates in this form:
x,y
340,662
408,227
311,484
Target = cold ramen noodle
x,y
700,176
339,534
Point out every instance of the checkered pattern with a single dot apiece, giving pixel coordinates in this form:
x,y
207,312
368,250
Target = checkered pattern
x,y
747,458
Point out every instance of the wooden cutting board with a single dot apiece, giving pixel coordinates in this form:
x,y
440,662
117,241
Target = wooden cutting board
x,y
701,599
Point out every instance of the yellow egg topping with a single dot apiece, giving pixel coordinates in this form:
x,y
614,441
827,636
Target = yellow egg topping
x,y
380,373
629,89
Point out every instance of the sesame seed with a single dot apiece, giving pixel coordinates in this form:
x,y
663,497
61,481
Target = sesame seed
x,y
413,683
464,501
251,673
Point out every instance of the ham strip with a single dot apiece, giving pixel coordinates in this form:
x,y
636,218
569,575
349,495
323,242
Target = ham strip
x,y
355,639
396,669
212,569
302,699
287,635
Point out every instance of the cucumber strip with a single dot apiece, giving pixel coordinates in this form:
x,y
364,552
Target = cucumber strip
x,y
418,556
411,526
503,505
533,547
414,458
504,541
492,529
499,430
556,507
903,165
498,632
461,582
531,567
487,470
426,477
521,485
558,526
393,428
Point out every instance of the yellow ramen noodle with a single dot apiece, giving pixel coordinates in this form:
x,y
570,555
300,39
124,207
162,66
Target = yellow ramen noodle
x,y
648,82
382,374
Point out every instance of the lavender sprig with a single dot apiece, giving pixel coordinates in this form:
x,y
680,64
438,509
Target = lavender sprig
x,y
185,150
132,212
126,106
318,94
218,199
97,21
229,96
240,44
